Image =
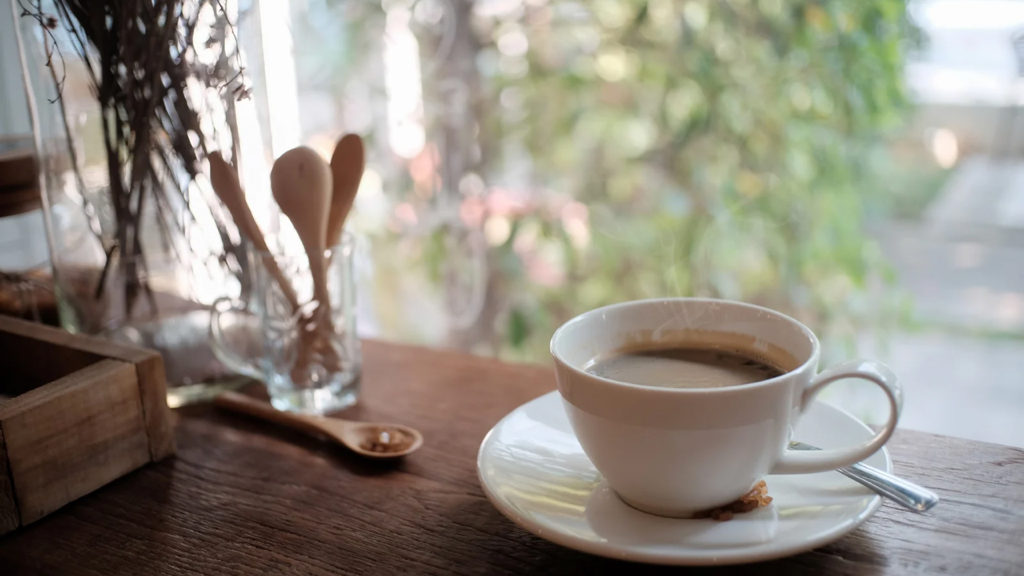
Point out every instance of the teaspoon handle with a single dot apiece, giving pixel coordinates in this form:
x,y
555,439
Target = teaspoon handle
x,y
243,404
905,493
909,495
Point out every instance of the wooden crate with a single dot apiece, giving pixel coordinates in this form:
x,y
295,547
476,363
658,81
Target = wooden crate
x,y
19,176
75,413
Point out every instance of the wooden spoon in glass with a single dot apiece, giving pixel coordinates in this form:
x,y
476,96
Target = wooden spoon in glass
x,y
370,439
347,165
225,184
301,183
302,186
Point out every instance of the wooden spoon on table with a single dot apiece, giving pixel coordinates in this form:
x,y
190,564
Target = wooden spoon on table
x,y
371,439
225,184
347,165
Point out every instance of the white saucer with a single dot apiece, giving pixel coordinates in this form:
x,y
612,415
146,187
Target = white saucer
x,y
534,471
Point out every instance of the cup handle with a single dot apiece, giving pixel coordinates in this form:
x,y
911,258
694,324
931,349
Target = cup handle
x,y
806,462
233,360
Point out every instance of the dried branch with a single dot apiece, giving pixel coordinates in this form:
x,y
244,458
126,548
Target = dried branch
x,y
139,57
48,23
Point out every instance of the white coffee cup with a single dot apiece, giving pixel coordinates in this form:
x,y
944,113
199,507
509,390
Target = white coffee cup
x,y
678,451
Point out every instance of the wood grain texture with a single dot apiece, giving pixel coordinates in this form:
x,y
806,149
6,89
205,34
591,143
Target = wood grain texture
x,y
18,166
73,435
41,354
10,518
97,347
27,363
244,498
149,369
16,200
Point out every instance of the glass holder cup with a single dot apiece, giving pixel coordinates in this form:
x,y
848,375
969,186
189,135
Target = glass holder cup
x,y
307,355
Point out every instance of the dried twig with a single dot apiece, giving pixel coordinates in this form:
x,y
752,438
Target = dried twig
x,y
50,47
139,57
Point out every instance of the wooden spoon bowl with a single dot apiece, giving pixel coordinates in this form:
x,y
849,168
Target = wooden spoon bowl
x,y
370,439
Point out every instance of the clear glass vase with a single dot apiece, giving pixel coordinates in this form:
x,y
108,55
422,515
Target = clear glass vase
x,y
143,267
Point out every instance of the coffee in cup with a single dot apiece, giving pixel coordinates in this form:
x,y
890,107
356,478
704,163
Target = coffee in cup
x,y
692,363
662,401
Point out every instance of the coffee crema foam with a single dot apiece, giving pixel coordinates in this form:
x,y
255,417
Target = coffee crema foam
x,y
693,359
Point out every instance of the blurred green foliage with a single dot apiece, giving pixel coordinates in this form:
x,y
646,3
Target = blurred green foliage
x,y
723,149
726,148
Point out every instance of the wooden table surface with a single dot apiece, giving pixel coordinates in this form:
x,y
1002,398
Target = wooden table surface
x,y
242,497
